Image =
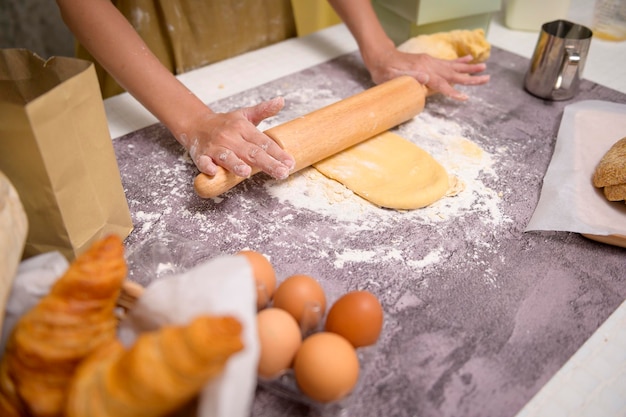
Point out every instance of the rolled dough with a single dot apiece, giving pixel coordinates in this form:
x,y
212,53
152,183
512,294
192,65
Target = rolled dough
x,y
389,171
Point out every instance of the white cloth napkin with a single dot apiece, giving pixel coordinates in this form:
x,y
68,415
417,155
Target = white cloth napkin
x,y
568,200
33,279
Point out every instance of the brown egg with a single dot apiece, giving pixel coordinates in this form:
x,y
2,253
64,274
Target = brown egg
x,y
357,316
303,297
264,276
279,340
326,367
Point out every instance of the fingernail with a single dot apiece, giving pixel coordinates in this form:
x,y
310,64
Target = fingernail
x,y
206,165
422,78
281,173
242,170
289,163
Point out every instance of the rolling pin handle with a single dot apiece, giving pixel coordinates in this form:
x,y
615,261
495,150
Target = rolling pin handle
x,y
207,186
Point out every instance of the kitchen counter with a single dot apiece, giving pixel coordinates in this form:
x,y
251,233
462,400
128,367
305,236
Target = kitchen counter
x,y
481,317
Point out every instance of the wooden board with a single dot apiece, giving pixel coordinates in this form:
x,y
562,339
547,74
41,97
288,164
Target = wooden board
x,y
617,240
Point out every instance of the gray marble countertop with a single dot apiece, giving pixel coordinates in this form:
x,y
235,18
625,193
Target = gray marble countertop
x,y
478,314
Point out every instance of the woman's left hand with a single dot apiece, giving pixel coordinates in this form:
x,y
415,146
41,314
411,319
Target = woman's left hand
x,y
438,75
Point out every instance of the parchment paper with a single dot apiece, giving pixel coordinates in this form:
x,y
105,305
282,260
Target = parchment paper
x,y
569,201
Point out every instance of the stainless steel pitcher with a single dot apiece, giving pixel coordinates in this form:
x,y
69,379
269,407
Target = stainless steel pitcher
x,y
558,61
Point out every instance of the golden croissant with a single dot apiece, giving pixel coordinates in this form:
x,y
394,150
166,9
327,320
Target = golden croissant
x,y
158,374
49,341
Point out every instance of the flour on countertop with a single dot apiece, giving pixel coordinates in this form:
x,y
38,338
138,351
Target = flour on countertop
x,y
337,232
446,141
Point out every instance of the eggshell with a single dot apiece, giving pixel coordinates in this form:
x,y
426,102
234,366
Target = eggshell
x,y
357,316
326,367
304,298
279,340
264,276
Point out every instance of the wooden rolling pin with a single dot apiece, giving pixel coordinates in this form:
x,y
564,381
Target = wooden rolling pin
x,y
331,129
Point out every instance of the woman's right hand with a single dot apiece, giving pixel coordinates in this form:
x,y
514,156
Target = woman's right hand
x,y
231,140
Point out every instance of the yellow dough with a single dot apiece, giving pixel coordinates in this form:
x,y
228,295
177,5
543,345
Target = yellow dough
x,y
389,171
450,45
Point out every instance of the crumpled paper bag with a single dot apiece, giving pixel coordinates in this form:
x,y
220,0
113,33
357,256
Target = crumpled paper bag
x,y
569,201
56,149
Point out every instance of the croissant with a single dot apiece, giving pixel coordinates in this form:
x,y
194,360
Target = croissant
x,y
49,341
159,373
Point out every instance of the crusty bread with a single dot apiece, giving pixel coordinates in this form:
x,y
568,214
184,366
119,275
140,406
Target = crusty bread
x,y
615,192
63,358
158,374
49,341
611,169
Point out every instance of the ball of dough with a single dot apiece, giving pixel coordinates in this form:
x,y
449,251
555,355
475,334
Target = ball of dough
x,y
451,45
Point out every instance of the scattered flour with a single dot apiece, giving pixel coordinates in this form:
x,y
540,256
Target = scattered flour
x,y
446,141
470,167
432,258
146,219
354,255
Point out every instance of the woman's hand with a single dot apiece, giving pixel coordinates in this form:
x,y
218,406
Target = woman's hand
x,y
385,62
232,141
438,75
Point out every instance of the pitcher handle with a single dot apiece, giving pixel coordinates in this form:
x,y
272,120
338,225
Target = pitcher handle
x,y
569,68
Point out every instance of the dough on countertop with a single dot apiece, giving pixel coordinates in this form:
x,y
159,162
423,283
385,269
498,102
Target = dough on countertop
x,y
389,171
450,45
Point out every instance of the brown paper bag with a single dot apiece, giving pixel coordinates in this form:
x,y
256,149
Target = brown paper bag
x,y
56,149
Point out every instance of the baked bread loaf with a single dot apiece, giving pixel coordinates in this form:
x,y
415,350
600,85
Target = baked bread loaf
x,y
610,174
159,373
615,192
71,321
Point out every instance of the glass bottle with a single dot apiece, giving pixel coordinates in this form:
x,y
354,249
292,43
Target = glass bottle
x,y
609,20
